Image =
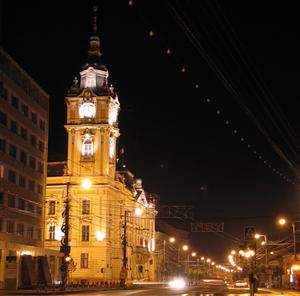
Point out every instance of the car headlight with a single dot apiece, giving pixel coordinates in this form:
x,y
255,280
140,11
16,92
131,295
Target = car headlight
x,y
177,284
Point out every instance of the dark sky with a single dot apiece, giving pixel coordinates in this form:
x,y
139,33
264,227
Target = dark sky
x,y
244,55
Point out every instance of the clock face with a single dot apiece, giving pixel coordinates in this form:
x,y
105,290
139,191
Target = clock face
x,y
87,110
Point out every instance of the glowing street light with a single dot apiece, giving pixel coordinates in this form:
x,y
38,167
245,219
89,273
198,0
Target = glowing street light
x,y
185,247
138,211
86,183
282,221
194,254
202,258
172,239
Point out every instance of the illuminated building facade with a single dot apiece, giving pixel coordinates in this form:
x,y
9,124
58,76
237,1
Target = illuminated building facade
x,y
100,197
23,156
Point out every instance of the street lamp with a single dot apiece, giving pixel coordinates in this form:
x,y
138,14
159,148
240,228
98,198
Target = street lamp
x,y
65,248
123,274
185,247
282,221
172,239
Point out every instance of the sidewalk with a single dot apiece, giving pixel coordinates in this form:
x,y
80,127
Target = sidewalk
x,y
54,291
284,291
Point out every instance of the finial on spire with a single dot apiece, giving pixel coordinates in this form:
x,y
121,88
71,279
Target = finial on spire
x,y
95,28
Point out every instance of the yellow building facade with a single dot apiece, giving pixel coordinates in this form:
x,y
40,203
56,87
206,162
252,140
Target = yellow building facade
x,y
111,218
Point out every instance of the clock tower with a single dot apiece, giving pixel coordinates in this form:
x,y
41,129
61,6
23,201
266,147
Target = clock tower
x,y
92,118
100,217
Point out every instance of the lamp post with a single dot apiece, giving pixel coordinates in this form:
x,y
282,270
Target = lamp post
x,y
265,243
172,241
283,221
164,265
123,274
65,248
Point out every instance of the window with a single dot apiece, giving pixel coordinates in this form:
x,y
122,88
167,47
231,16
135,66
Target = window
x,y
51,232
22,181
13,151
1,198
3,91
10,226
20,229
41,146
31,185
23,157
42,124
3,118
21,204
14,126
39,233
2,145
38,211
33,140
85,207
51,209
40,167
12,176
84,260
11,201
87,144
34,118
30,232
24,133
15,102
32,162
40,188
85,233
30,207
25,110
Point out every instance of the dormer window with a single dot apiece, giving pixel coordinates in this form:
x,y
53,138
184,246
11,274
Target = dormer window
x,y
90,80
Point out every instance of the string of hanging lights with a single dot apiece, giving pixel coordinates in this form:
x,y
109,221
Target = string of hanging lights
x,y
169,52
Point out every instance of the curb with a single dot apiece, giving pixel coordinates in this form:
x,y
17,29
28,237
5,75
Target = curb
x,y
58,292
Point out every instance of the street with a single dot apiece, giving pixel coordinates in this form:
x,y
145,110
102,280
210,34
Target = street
x,y
189,291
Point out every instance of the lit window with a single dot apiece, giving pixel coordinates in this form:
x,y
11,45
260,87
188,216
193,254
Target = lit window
x,y
85,233
85,207
87,145
51,207
51,232
84,260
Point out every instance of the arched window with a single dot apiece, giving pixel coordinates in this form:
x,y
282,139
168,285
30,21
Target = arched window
x,y
87,144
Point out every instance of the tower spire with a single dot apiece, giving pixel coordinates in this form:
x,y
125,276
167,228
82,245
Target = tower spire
x,y
95,28
94,53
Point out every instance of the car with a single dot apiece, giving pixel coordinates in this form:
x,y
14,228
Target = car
x,y
213,282
241,284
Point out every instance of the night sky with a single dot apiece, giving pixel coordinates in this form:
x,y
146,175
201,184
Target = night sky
x,y
243,56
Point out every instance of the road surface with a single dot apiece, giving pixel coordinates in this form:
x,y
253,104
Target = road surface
x,y
189,291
